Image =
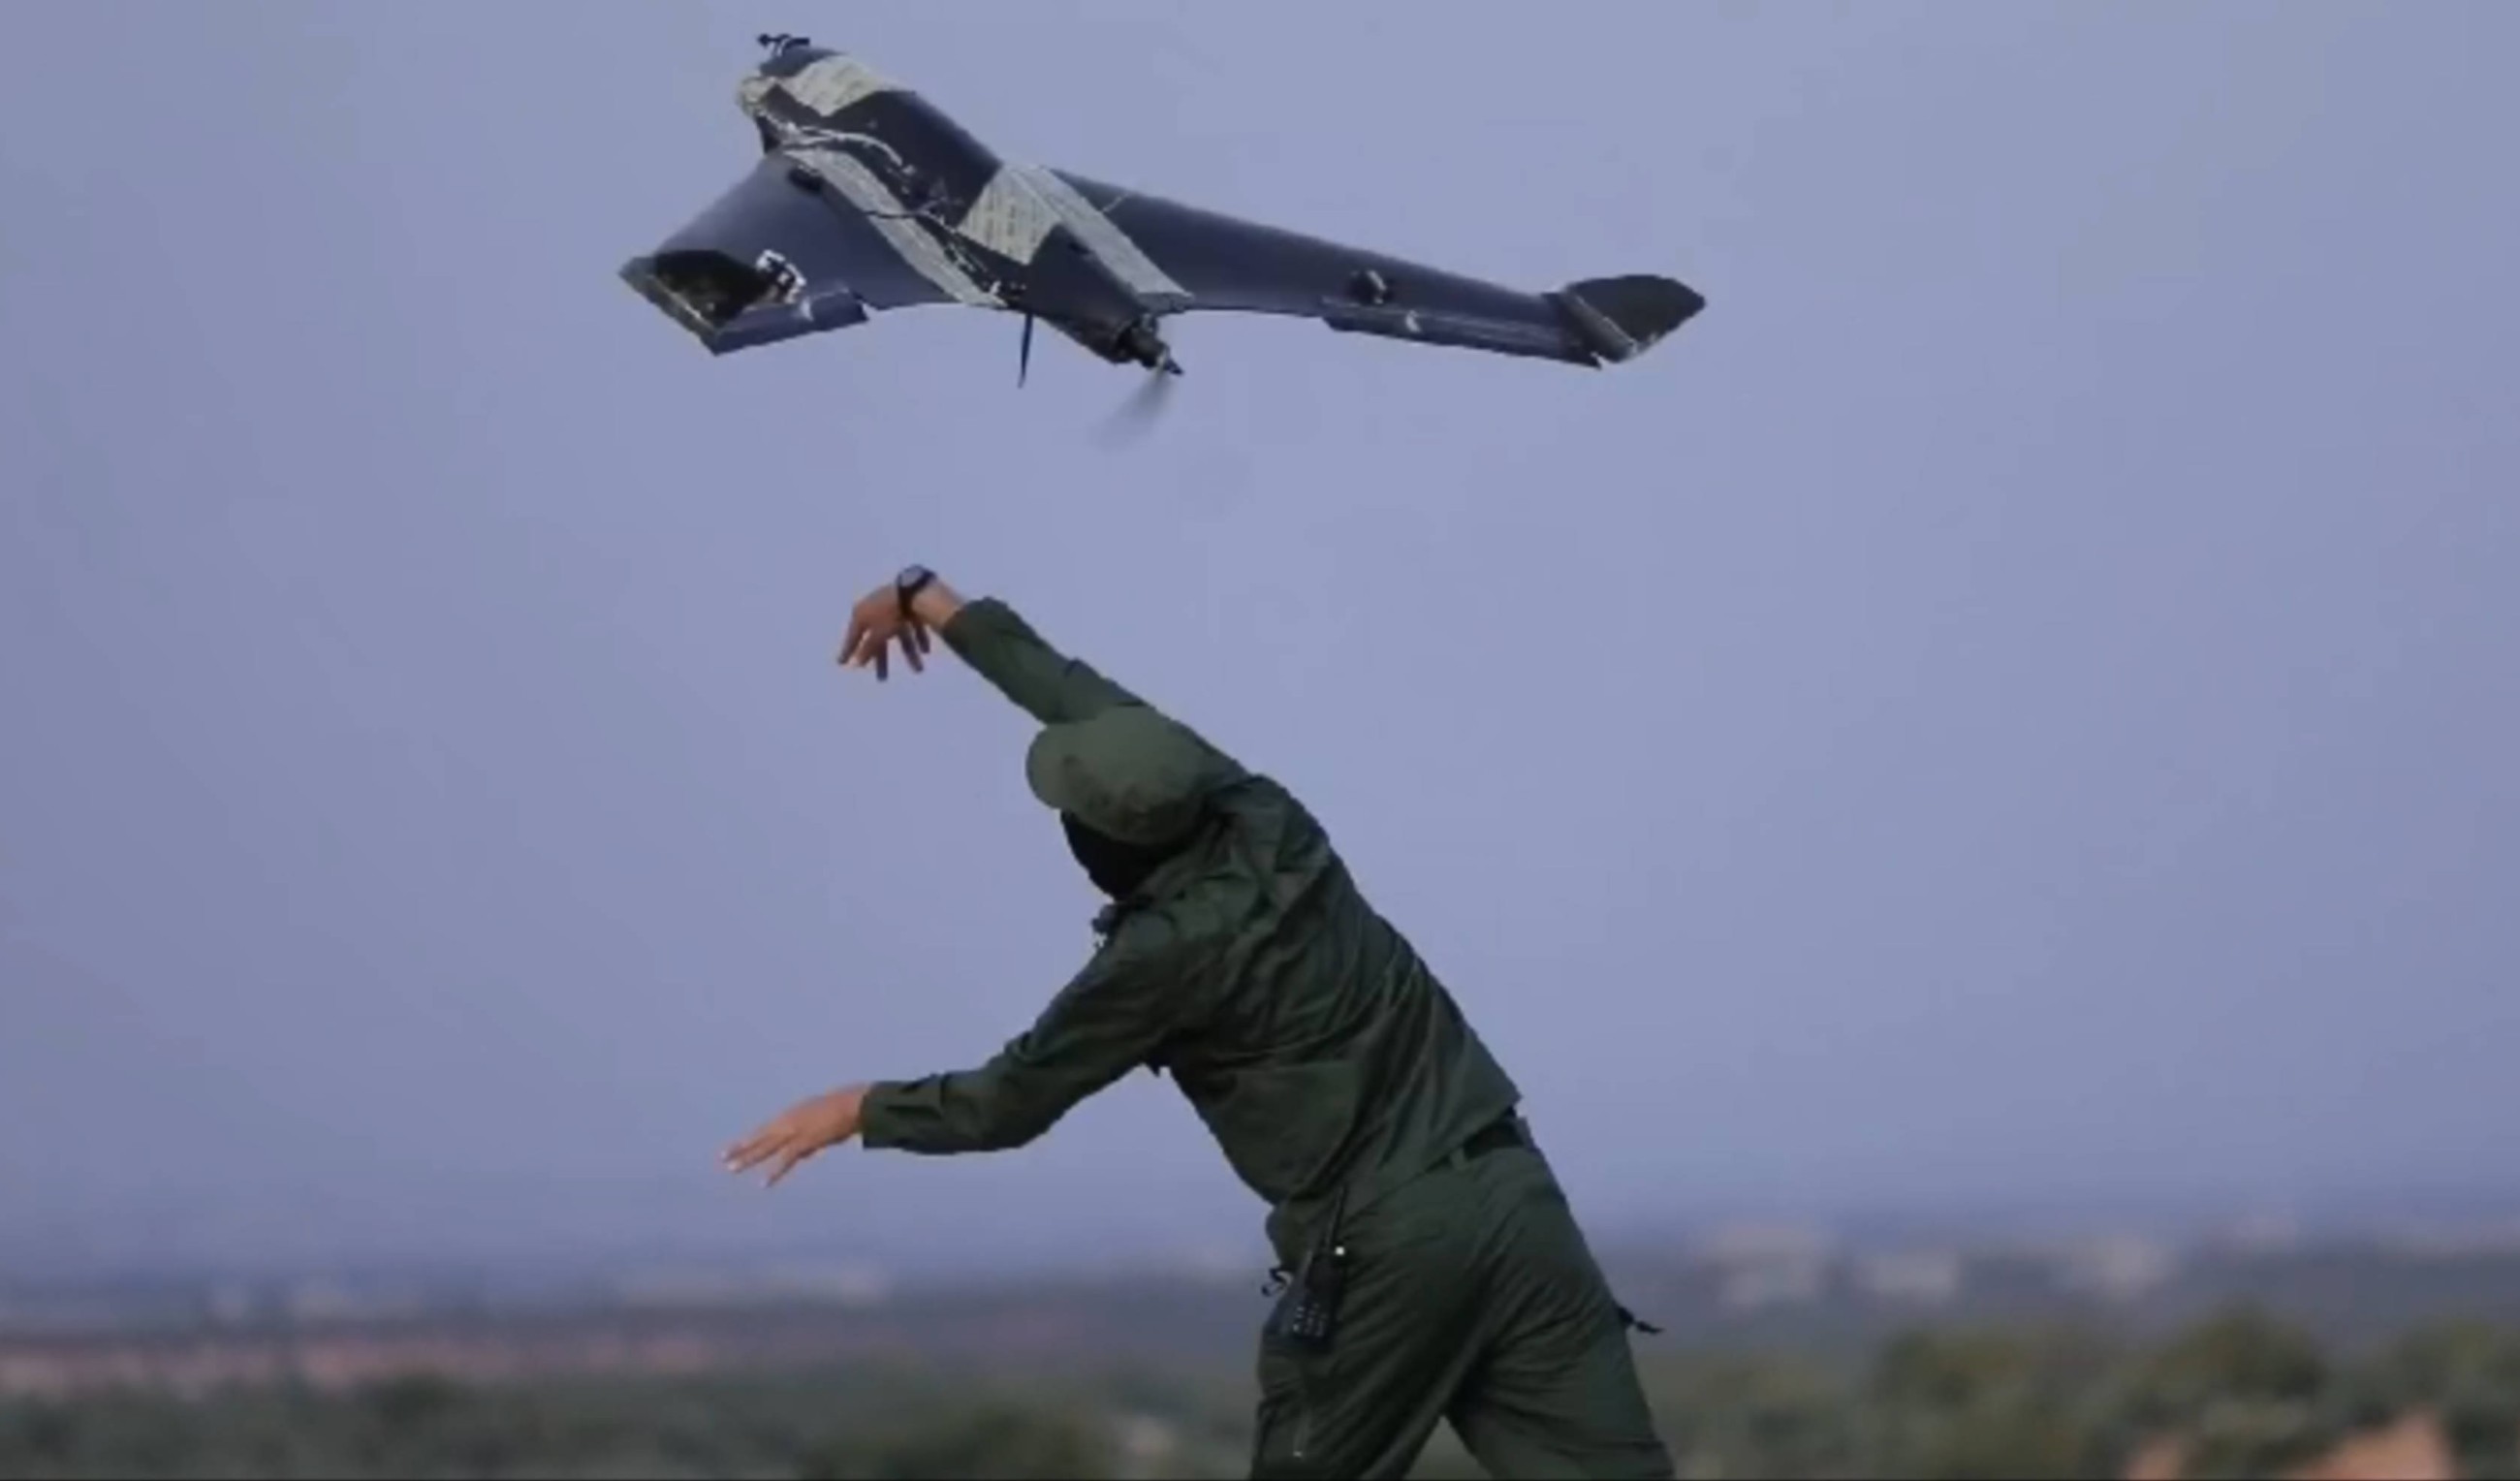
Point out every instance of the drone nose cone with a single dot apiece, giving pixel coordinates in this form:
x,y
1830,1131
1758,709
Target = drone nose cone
x,y
808,83
783,54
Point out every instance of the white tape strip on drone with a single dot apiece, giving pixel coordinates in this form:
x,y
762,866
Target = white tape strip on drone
x,y
861,189
1010,217
1023,201
833,83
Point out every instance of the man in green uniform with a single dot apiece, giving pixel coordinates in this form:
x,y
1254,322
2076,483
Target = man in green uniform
x,y
1434,1268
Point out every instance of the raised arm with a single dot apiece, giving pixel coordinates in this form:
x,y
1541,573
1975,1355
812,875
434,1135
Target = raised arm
x,y
1045,682
999,646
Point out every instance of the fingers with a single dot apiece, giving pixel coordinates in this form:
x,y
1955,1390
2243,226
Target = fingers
x,y
785,1144
788,1163
866,648
869,640
748,1153
787,1150
862,647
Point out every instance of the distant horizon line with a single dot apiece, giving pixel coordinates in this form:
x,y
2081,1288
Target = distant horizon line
x,y
78,1248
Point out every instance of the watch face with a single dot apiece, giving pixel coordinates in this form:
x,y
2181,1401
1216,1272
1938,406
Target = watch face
x,y
912,575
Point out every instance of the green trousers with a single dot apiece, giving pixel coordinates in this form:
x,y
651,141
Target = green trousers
x,y
1472,1298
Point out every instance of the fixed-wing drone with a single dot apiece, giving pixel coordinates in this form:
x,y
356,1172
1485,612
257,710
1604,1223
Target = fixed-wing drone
x,y
867,198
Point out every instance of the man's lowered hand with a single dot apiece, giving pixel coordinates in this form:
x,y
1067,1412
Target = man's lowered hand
x,y
799,1131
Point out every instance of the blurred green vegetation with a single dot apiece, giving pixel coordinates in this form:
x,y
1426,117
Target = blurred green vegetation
x,y
2250,1394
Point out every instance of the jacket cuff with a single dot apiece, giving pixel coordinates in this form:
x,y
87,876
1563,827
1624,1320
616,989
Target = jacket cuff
x,y
880,1122
976,625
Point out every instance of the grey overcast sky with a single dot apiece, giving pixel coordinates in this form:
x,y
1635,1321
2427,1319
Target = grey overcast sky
x,y
2017,702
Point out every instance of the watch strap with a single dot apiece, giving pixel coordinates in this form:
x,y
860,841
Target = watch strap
x,y
909,583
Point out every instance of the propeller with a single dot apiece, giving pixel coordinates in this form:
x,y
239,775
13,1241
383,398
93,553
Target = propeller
x,y
1135,417
1131,420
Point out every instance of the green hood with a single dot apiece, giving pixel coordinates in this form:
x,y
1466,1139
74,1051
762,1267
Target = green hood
x,y
1127,773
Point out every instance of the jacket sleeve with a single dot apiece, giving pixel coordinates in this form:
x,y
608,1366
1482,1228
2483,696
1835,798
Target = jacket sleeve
x,y
1003,649
1107,1021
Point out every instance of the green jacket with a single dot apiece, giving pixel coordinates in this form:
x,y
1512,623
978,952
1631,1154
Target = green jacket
x,y
1302,1026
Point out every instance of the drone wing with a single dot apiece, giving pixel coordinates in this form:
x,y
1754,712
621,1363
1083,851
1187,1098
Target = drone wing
x,y
808,241
1219,262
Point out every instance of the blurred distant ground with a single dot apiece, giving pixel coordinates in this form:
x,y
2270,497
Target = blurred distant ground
x,y
1782,1359
2240,1394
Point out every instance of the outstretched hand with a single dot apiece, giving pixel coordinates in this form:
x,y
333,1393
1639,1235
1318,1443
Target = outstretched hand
x,y
799,1131
878,622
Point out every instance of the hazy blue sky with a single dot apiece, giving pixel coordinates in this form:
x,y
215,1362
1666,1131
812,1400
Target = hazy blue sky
x,y
2017,702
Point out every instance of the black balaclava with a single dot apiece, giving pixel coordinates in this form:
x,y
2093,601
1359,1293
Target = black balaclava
x,y
1116,867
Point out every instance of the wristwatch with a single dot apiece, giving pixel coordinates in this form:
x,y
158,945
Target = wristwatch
x,y
909,583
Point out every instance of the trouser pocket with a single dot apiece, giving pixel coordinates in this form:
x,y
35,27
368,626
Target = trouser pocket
x,y
1282,1442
